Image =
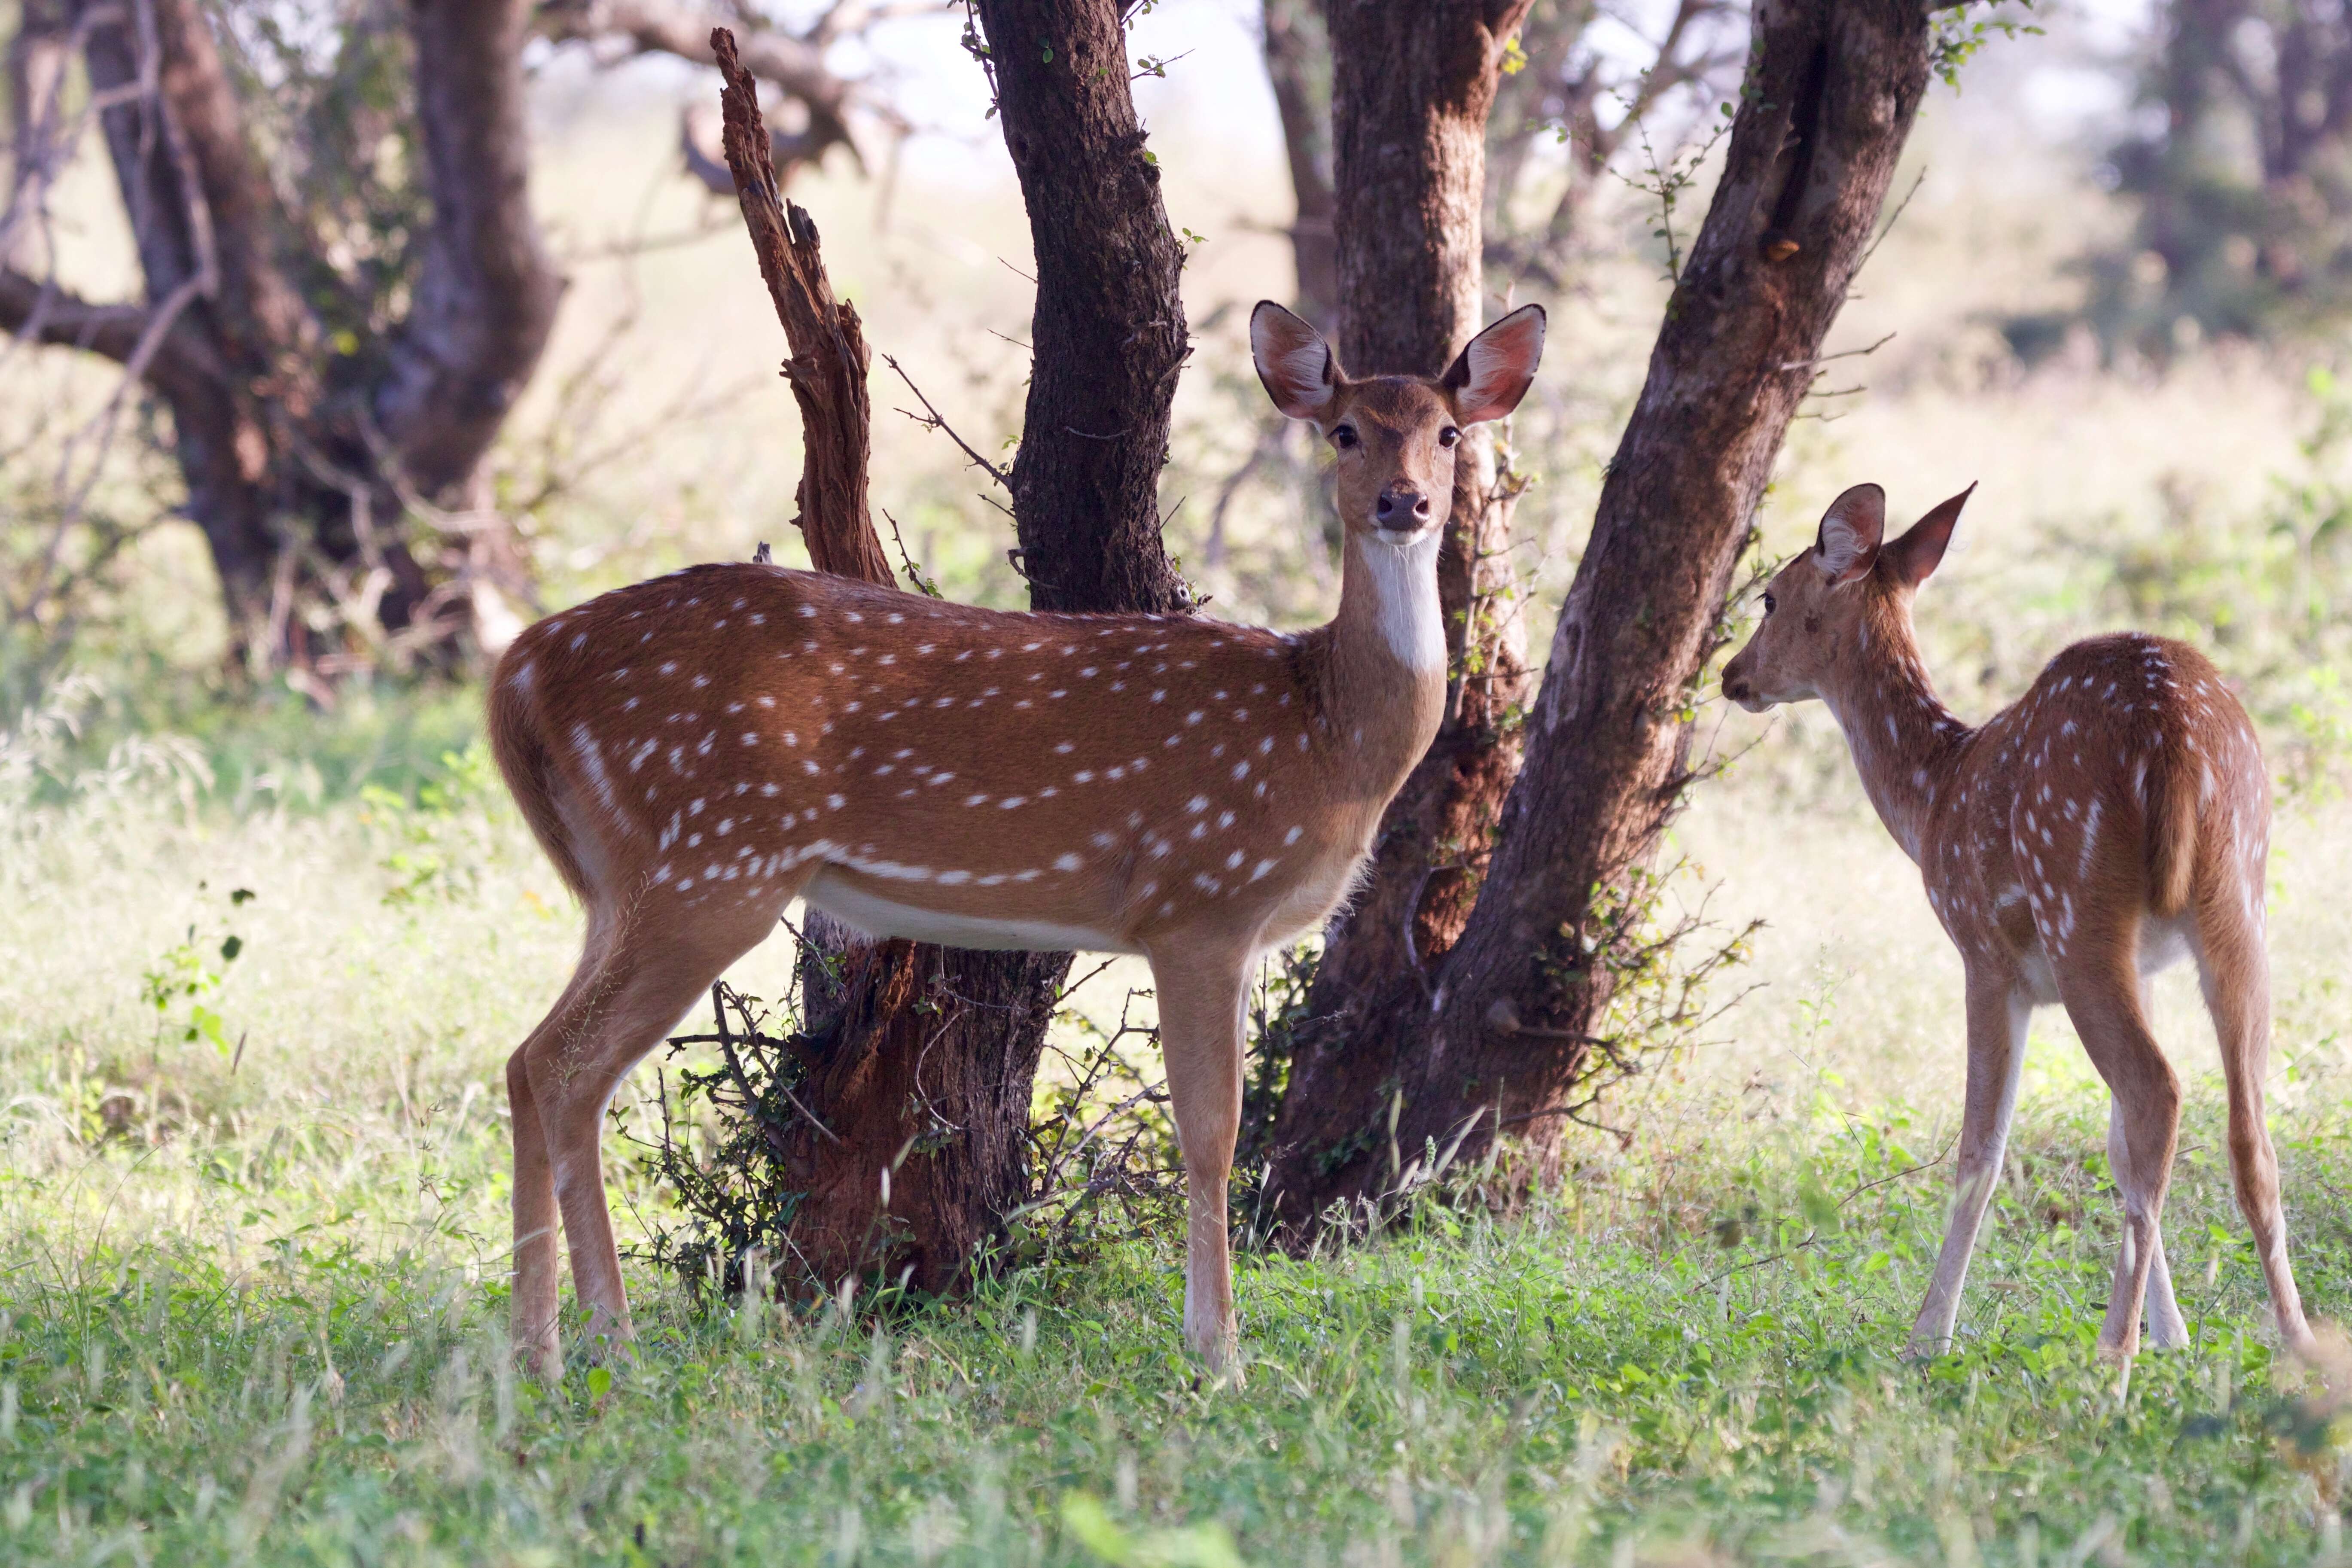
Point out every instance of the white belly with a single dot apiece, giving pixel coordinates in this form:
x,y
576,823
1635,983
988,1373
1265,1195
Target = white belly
x,y
886,917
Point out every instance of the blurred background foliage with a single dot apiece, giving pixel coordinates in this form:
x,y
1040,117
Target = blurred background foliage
x,y
2131,208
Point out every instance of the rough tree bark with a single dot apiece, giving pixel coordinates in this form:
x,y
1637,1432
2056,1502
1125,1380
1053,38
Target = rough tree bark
x,y
1411,87
1109,333
923,1057
1832,90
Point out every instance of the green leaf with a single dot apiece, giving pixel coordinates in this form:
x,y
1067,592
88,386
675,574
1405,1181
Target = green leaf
x,y
600,1382
1195,1546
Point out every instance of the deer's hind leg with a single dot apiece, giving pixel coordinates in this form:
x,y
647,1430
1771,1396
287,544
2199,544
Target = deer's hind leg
x,y
2098,979
2167,1330
643,968
2233,972
537,1287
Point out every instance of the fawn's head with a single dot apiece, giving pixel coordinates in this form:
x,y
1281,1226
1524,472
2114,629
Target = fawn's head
x,y
1395,436
1819,606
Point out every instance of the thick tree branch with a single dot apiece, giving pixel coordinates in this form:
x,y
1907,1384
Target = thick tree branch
x,y
1509,1028
1832,91
827,369
1414,86
1411,89
234,215
55,317
794,65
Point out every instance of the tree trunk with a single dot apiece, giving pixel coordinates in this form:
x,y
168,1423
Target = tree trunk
x,y
221,438
1109,330
1298,67
1413,86
1514,1011
302,459
486,299
926,1056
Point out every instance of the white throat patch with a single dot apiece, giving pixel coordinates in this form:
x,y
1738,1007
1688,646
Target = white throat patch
x,y
1404,587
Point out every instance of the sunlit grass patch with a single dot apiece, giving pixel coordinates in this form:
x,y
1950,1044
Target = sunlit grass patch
x,y
255,1304
1560,1387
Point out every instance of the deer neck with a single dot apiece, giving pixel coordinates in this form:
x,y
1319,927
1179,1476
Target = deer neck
x,y
1905,744
1387,654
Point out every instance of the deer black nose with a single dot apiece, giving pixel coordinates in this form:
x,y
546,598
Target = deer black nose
x,y
1400,506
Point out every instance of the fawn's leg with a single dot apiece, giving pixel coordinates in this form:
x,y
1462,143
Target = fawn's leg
x,y
2099,981
2165,1328
2233,970
534,1306
1202,989
1998,1015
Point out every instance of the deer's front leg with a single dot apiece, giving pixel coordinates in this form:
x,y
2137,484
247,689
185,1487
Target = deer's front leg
x,y
1998,1015
1200,990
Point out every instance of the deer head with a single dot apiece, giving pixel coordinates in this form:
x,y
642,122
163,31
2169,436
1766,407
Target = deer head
x,y
1395,436
1820,607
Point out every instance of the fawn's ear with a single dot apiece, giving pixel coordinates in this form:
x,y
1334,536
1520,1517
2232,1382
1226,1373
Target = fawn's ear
x,y
1912,557
1492,375
1847,545
1297,367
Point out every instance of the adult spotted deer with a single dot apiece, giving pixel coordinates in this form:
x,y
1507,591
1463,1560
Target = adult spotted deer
x,y
2114,821
696,753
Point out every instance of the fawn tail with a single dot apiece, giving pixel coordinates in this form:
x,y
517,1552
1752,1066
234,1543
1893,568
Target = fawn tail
x,y
2171,817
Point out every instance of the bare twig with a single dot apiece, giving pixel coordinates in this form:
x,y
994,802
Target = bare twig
x,y
1888,228
930,420
1849,353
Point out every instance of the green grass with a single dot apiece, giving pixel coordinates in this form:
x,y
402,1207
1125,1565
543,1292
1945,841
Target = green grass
x,y
1600,1380
252,1261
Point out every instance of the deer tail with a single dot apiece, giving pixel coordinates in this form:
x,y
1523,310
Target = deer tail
x,y
529,767
2172,832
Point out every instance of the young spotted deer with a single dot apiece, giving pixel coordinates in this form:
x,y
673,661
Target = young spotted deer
x,y
2112,822
696,752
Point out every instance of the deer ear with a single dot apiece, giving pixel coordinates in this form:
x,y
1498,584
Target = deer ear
x,y
1297,367
1495,371
1912,557
1847,544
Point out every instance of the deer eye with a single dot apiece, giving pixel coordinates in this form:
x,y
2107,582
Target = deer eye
x,y
1447,436
1343,436
1770,604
